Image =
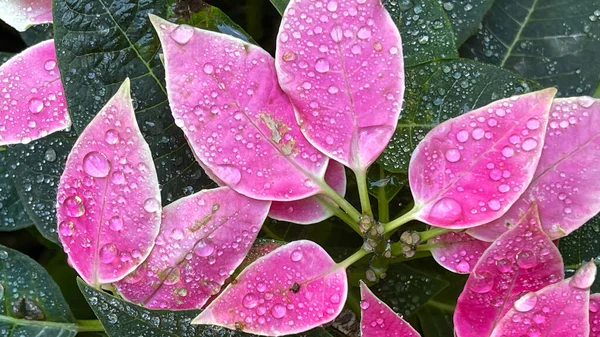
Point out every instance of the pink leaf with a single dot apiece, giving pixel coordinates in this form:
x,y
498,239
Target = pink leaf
x,y
33,103
458,252
565,184
521,260
469,170
595,315
316,208
293,289
21,14
236,118
203,238
378,320
109,204
341,64
558,310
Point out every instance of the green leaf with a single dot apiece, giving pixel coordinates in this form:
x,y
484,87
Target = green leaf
x,y
33,305
4,56
96,52
280,5
582,246
124,319
436,322
385,185
465,16
425,30
554,42
38,33
438,91
199,14
406,289
12,212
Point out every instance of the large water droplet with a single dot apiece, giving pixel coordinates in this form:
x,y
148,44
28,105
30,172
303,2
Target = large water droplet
x,y
322,65
452,155
74,206
462,136
111,136
503,265
182,34
96,164
296,255
173,276
482,282
446,210
204,248
332,6
66,228
529,144
229,174
208,68
108,253
533,124
115,223
526,302
250,300
526,259
336,33
35,105
364,33
278,310
50,65
151,205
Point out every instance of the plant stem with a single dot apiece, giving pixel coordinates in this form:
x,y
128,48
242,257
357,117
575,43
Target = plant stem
x,y
383,206
440,305
340,201
418,255
342,216
410,215
92,325
363,192
428,247
433,232
352,259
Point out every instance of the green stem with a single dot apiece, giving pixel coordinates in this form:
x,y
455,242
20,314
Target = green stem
x,y
428,247
383,206
340,201
418,255
363,192
410,215
352,259
433,232
440,305
341,215
92,325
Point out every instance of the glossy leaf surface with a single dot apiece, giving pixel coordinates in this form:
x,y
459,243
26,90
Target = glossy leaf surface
x,y
203,238
108,204
290,290
21,14
344,73
378,320
595,315
12,212
458,252
469,170
33,102
465,16
236,118
565,184
316,208
32,304
558,310
521,260
582,245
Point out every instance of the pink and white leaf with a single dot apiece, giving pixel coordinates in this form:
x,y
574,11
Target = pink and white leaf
x,y
108,203
291,290
379,320
203,239
595,315
33,102
22,14
458,252
470,170
316,208
565,184
523,259
558,310
235,116
341,64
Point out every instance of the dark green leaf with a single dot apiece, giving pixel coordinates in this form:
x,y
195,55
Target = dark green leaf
x,y
4,57
406,289
385,185
465,16
38,33
124,319
280,5
582,246
438,91
554,42
436,322
12,212
425,30
199,14
33,305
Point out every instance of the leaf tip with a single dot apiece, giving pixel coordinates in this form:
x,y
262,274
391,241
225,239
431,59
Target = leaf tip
x,y
584,277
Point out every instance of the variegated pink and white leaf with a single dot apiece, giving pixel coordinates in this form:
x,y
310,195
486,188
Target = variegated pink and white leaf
x,y
290,290
458,252
523,259
33,102
565,184
341,64
316,208
595,315
379,320
203,239
469,170
558,310
21,14
108,203
235,116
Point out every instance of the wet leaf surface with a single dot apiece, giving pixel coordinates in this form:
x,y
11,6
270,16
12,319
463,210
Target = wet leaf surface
x,y
32,304
581,246
553,42
465,16
436,322
12,211
38,33
39,11
594,315
458,252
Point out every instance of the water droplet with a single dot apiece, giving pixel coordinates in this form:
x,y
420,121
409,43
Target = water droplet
x,y
173,276
477,133
296,255
112,318
508,151
446,210
322,65
176,234
3,255
182,34
332,6
533,124
111,136
151,205
108,253
503,265
529,144
137,275
462,136
74,206
453,155
66,228
115,223
336,33
96,164
448,6
463,267
278,310
288,56
50,65
203,248
503,188
333,89
494,204
526,302
364,33
36,105
526,259
364,305
250,300
481,283
208,68
335,298
230,175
